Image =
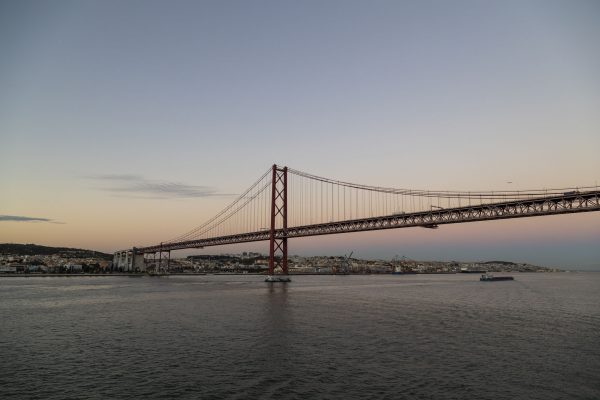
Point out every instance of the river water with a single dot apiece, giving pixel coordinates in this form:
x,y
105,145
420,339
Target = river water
x,y
375,337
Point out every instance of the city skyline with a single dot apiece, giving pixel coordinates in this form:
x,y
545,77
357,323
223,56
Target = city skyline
x,y
128,124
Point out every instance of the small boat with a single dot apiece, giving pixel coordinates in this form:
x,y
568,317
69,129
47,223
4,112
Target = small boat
x,y
489,278
276,278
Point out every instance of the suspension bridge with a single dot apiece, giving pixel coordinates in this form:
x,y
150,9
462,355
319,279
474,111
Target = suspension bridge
x,y
285,203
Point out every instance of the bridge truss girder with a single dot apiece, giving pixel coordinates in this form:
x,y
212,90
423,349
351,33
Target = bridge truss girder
x,y
554,205
584,202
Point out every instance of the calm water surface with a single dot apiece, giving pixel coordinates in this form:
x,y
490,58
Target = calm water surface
x,y
383,337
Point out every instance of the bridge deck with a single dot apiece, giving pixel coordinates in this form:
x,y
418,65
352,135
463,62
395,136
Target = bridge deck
x,y
565,204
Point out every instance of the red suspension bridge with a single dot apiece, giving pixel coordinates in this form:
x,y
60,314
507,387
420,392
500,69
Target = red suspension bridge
x,y
285,203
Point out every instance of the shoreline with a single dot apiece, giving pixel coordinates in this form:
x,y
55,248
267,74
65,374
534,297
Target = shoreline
x,y
140,275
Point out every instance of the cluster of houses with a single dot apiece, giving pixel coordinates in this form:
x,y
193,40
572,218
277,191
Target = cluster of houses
x,y
51,264
256,263
249,262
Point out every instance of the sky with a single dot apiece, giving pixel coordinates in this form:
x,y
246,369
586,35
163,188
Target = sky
x,y
127,123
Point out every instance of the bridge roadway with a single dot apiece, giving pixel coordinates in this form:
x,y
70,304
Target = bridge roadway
x,y
564,204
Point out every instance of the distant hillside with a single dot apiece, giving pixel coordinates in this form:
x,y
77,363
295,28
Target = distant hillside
x,y
500,262
34,249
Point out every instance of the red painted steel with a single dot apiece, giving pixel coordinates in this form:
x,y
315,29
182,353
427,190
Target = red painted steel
x,y
552,205
525,205
284,257
272,232
277,241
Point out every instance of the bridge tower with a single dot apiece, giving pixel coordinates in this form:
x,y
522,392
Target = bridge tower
x,y
278,251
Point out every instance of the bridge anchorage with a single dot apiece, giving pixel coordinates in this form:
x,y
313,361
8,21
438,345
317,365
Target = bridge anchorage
x,y
285,203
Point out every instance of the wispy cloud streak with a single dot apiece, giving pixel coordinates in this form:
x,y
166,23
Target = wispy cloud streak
x,y
139,187
20,218
116,177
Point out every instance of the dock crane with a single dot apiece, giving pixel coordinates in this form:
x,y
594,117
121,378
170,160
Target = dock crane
x,y
345,264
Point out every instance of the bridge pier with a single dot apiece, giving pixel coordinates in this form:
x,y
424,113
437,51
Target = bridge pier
x,y
158,266
128,261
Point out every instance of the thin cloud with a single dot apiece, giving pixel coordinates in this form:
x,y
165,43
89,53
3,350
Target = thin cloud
x,y
20,218
116,177
166,189
136,186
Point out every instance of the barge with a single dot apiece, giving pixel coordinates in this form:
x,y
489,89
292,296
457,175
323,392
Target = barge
x,y
489,278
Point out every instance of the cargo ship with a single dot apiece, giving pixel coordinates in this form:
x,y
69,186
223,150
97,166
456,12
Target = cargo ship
x,y
490,277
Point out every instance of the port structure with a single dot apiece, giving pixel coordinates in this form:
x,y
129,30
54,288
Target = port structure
x,y
285,203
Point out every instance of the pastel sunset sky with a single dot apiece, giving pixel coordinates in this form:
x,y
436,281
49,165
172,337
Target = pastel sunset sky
x,y
126,123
